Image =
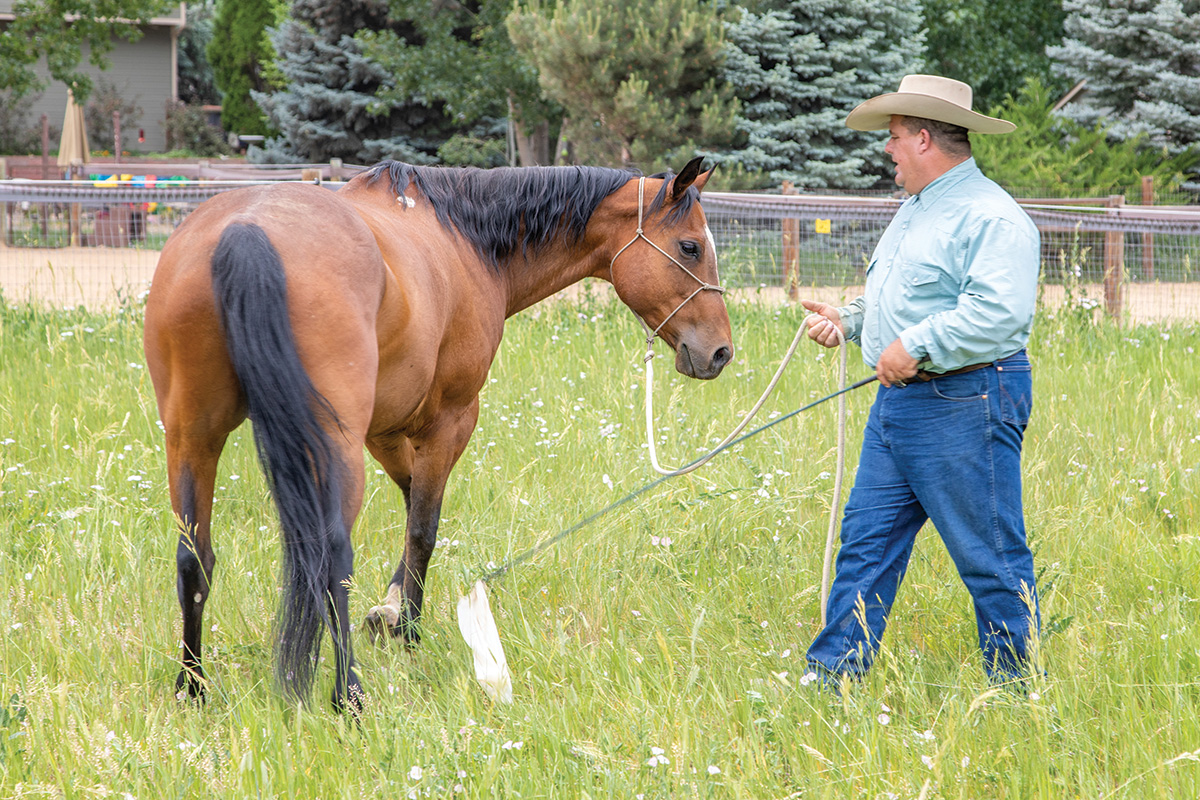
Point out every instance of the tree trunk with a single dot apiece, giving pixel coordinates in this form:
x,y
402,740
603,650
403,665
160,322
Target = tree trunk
x,y
563,153
533,147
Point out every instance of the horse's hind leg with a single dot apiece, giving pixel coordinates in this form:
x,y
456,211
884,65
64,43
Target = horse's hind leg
x,y
191,468
350,393
347,690
421,469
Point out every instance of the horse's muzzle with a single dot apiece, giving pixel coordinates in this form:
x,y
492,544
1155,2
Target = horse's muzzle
x,y
705,368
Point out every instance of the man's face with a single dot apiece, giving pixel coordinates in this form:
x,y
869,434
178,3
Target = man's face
x,y
904,148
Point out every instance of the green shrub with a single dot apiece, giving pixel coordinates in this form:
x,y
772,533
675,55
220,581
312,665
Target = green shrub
x,y
1051,155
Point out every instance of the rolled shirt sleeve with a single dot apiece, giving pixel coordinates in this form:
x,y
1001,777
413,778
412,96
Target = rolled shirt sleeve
x,y
852,319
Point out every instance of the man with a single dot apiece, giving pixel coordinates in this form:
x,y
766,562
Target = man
x,y
949,300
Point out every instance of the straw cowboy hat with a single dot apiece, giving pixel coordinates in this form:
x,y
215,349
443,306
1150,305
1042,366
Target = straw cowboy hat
x,y
927,96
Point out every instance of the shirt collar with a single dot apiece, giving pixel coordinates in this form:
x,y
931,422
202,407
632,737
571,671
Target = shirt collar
x,y
947,180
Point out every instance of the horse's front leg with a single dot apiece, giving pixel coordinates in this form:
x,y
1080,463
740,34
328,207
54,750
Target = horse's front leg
x,y
421,468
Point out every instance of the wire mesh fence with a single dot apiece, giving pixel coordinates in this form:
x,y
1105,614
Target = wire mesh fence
x,y
66,243
1134,263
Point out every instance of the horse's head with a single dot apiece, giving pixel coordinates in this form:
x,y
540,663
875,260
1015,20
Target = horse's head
x,y
664,267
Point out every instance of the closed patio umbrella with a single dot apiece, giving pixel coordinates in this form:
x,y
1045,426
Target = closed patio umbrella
x,y
73,150
74,153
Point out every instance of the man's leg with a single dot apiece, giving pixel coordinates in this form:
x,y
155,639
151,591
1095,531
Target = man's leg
x,y
879,526
967,475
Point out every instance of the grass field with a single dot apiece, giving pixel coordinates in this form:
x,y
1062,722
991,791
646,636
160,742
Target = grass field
x,y
655,653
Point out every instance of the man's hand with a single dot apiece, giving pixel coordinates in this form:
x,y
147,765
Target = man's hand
x,y
824,323
895,366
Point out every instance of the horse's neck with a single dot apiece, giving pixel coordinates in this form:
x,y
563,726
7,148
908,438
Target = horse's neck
x,y
533,280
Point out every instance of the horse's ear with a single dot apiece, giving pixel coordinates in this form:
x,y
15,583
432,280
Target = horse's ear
x,y
688,176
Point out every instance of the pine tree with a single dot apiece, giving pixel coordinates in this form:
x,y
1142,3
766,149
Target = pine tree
x,y
1141,61
1050,155
196,85
798,68
639,80
460,54
325,103
237,52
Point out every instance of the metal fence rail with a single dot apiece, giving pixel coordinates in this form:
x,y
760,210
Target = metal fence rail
x,y
93,242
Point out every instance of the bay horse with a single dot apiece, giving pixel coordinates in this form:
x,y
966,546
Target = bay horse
x,y
370,316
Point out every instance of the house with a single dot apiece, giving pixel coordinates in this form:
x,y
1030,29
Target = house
x,y
144,73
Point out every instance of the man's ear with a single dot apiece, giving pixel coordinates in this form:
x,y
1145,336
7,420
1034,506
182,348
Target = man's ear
x,y
926,140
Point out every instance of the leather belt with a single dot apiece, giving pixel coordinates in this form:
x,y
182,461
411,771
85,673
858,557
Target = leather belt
x,y
922,375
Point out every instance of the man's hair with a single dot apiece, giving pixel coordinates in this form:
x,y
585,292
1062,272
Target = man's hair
x,y
950,139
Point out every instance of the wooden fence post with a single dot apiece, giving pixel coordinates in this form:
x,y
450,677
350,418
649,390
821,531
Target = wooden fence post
x,y
1148,238
74,226
117,137
1114,263
791,250
42,207
4,210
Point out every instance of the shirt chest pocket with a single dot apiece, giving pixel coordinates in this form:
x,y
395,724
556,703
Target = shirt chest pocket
x,y
921,281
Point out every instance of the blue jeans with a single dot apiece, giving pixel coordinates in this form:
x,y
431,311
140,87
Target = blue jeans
x,y
948,451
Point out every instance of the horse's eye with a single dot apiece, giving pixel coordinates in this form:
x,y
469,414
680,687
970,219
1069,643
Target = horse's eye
x,y
689,249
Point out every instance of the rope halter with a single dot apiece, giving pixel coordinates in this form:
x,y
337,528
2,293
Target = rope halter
x,y
650,334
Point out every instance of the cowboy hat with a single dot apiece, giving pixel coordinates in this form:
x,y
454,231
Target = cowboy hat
x,y
927,96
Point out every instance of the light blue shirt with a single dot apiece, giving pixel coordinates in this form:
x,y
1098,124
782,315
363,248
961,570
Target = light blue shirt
x,y
954,276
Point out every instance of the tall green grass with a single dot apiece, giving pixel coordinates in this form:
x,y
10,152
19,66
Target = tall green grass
x,y
658,652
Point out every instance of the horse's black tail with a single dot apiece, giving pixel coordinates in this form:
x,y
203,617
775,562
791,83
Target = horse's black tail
x,y
297,457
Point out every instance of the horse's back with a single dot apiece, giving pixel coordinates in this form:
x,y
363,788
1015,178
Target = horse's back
x,y
334,281
321,241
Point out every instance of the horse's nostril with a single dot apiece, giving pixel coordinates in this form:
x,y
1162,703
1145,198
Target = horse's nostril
x,y
722,357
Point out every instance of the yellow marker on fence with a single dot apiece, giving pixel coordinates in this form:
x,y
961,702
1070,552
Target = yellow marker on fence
x,y
824,226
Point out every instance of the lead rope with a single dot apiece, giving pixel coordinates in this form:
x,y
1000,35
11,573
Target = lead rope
x,y
475,620
835,509
841,438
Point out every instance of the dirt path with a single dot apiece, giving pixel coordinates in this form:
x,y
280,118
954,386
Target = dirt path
x,y
96,277
102,277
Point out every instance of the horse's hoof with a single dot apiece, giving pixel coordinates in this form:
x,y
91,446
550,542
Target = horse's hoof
x,y
383,620
353,701
189,687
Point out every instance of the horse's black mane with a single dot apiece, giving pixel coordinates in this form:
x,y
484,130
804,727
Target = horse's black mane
x,y
506,210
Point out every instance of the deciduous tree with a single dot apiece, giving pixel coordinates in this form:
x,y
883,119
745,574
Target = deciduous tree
x,y
59,30
460,54
994,47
